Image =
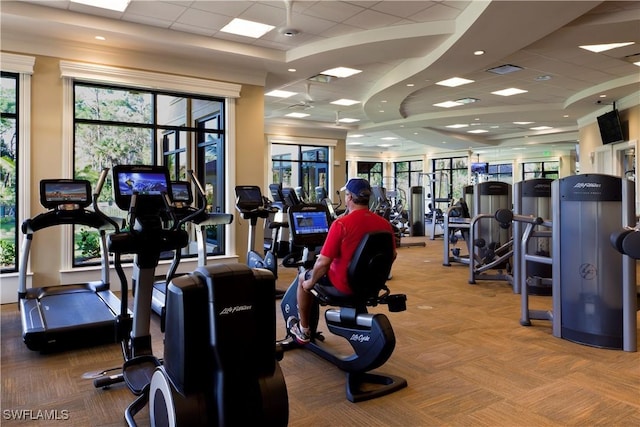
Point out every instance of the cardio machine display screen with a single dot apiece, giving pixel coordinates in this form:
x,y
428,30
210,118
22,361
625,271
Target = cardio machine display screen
x,y
309,227
181,192
248,197
149,182
55,192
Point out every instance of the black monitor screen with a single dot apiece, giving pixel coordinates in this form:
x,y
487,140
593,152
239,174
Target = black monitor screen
x,y
610,127
309,224
248,197
56,192
181,192
149,182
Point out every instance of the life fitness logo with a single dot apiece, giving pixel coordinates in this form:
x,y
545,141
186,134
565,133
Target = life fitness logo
x,y
235,309
587,185
360,338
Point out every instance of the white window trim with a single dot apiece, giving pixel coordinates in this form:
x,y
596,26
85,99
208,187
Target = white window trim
x,y
293,140
23,65
93,73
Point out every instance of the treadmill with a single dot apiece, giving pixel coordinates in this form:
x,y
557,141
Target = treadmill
x,y
182,210
67,316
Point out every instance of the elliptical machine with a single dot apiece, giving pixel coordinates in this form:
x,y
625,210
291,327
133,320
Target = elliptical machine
x,y
370,335
210,374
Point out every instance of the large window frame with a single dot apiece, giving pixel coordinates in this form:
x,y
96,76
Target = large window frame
x,y
542,169
169,84
456,172
22,66
302,162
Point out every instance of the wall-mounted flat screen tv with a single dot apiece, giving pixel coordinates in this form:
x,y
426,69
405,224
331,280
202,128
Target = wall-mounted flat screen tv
x,y
610,127
479,168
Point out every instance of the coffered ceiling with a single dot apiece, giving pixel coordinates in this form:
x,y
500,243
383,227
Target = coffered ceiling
x,y
403,50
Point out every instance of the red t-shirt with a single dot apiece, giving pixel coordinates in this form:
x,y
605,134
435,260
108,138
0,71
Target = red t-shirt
x,y
343,239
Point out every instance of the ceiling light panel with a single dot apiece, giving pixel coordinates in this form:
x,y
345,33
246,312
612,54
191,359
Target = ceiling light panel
x,y
596,48
242,27
448,104
280,93
345,102
348,120
117,5
509,92
454,82
297,115
341,72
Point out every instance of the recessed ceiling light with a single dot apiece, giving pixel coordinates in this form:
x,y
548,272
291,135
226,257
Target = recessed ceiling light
x,y
604,47
280,93
522,123
458,126
447,104
354,143
242,27
101,38
410,85
542,78
348,120
356,135
385,145
297,115
602,96
346,102
477,131
541,128
341,72
478,52
389,138
637,63
504,69
454,81
509,92
292,70
118,5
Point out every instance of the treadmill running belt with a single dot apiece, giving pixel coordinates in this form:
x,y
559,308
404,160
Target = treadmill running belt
x,y
70,310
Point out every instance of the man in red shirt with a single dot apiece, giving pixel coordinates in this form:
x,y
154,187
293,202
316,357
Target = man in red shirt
x,y
330,268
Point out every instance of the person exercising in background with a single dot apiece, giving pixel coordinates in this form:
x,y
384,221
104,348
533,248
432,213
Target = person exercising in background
x,y
330,268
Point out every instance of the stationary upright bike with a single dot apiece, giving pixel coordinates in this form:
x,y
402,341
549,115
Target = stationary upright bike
x,y
250,204
370,335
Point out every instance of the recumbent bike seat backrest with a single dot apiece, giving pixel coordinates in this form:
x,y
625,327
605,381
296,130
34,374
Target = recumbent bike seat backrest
x,y
371,264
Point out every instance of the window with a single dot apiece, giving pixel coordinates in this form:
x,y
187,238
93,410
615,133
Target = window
x,y
532,170
407,174
120,125
371,171
9,140
305,166
451,175
502,172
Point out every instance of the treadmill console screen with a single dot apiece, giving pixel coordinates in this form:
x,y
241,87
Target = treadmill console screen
x,y
309,224
56,192
149,182
248,197
181,192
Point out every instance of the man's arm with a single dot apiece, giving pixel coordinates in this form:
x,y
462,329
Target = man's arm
x,y
320,268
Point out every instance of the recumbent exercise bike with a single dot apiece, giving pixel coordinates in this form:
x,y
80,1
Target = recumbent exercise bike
x,y
370,335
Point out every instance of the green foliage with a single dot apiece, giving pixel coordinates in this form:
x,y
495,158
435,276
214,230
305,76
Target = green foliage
x,y
7,253
88,244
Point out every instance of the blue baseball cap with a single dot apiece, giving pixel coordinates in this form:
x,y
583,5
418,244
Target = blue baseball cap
x,y
358,186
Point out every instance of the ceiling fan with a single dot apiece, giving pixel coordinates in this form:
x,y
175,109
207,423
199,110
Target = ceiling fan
x,y
307,102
